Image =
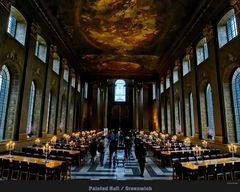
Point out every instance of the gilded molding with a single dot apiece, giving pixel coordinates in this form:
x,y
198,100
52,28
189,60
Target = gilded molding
x,y
35,29
72,72
177,63
64,63
7,4
189,51
53,49
169,73
208,32
236,5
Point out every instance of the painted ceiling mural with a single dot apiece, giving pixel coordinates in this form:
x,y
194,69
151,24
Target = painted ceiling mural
x,y
121,36
122,25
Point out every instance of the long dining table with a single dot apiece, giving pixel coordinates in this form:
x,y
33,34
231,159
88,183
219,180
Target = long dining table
x,y
50,164
193,165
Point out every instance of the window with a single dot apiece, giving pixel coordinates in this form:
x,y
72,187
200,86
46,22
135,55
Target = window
x,y
154,91
4,93
209,107
120,91
161,87
191,114
78,86
30,128
17,25
175,76
169,124
48,112
227,28
41,48
202,51
167,82
86,90
56,64
65,74
163,118
186,65
73,82
236,101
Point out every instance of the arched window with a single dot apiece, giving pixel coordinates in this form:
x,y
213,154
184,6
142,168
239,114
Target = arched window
x,y
17,25
73,82
227,28
48,112
30,128
56,63
120,91
154,91
4,92
186,68
202,50
78,86
65,74
161,87
177,115
191,114
163,118
209,107
236,101
175,75
41,48
167,82
169,124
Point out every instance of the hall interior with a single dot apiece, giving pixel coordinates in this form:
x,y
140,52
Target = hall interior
x,y
166,72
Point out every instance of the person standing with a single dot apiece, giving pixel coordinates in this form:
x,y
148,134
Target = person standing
x,y
142,152
112,148
101,149
93,150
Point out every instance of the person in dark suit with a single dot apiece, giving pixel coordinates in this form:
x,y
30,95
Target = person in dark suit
x,y
112,148
93,150
142,152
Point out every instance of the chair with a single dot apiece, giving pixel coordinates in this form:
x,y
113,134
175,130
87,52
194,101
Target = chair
x,y
210,172
236,171
6,169
33,171
1,165
228,171
64,172
24,170
202,172
205,157
15,173
191,158
177,171
220,171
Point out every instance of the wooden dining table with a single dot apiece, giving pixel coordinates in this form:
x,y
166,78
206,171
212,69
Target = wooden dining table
x,y
193,165
71,152
51,164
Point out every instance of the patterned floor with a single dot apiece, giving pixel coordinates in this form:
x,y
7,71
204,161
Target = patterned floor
x,y
130,170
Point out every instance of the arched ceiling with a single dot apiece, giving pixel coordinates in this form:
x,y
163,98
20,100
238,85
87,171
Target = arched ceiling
x,y
122,37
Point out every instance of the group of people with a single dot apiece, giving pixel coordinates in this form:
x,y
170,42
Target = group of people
x,y
100,146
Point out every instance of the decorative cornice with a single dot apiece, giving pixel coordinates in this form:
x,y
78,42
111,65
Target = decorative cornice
x,y
64,63
236,5
35,29
7,4
169,73
177,63
72,72
53,49
208,32
189,51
